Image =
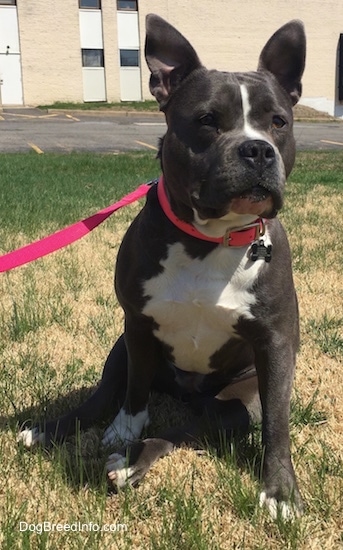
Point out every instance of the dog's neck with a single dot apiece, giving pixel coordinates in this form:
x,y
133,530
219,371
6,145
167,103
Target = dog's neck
x,y
218,227
231,230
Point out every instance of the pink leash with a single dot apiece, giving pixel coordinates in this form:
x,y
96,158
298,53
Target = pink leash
x,y
68,235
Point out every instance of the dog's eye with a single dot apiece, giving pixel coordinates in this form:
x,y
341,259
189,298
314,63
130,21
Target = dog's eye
x,y
278,122
207,120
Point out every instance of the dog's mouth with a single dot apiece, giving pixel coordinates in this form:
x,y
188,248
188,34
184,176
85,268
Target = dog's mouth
x,y
255,194
256,201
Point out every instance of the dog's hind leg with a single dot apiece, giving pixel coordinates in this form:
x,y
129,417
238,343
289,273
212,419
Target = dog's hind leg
x,y
130,465
107,398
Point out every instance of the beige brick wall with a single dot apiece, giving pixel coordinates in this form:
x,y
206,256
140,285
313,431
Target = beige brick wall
x,y
229,35
50,51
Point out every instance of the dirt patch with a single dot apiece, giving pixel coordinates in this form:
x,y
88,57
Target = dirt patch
x,y
302,112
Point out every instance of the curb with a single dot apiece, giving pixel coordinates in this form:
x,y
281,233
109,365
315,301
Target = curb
x,y
109,112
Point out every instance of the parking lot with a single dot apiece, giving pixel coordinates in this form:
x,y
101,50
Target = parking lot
x,y
107,132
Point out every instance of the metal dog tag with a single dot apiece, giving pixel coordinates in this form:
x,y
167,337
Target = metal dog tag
x,y
259,250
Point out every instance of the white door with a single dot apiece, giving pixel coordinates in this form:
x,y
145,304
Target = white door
x,y
130,84
94,87
10,76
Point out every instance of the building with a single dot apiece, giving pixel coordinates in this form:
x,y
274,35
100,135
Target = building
x,y
93,50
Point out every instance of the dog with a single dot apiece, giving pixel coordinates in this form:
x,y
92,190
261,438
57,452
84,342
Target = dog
x,y
204,272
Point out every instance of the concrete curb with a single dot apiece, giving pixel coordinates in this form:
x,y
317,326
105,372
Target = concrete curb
x,y
105,112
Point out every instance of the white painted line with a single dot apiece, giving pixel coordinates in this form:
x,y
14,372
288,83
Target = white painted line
x,y
48,116
147,145
331,142
149,123
73,118
36,148
20,115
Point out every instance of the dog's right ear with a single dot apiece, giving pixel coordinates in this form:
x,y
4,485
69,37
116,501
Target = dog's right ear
x,y
169,56
284,56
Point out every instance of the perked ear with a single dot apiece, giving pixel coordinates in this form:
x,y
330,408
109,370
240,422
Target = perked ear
x,y
284,56
169,56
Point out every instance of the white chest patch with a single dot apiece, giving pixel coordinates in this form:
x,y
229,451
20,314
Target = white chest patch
x,y
196,303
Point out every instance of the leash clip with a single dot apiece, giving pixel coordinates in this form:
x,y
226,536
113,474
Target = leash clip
x,y
152,182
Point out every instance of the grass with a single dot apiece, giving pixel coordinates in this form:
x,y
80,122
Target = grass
x,y
328,334
149,105
53,190
58,319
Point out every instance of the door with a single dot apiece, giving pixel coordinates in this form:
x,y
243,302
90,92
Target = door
x,y
10,76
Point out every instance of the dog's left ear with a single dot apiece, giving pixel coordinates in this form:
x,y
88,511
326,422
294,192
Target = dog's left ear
x,y
284,56
170,58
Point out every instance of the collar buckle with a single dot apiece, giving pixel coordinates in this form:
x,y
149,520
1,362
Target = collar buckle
x,y
241,237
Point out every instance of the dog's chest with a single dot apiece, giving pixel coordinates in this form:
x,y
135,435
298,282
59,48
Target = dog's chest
x,y
197,302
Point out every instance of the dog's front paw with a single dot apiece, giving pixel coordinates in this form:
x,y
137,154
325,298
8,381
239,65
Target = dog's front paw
x,y
30,437
125,428
286,510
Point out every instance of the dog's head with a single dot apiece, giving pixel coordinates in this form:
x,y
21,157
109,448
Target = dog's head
x,y
229,146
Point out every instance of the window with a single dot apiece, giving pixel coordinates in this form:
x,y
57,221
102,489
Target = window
x,y
95,4
127,5
129,58
92,58
8,2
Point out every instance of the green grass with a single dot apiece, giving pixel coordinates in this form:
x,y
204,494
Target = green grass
x,y
315,181
328,335
53,190
58,319
104,105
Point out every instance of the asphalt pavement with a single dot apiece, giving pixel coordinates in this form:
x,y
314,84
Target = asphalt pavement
x,y
31,129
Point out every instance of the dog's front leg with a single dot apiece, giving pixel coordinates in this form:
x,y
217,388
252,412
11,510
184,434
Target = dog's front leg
x,y
143,359
275,363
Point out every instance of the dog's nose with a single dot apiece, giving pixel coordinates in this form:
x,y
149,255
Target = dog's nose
x,y
257,153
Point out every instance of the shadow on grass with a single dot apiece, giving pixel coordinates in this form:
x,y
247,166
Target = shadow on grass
x,y
80,458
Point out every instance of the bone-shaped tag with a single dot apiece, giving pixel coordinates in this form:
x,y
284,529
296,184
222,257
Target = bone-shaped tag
x,y
259,250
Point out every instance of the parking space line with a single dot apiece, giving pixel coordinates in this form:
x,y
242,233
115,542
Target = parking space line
x,y
73,118
48,116
147,145
331,142
149,123
36,148
21,115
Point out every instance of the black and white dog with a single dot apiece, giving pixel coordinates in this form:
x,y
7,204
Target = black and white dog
x,y
204,272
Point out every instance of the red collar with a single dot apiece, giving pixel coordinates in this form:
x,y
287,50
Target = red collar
x,y
241,237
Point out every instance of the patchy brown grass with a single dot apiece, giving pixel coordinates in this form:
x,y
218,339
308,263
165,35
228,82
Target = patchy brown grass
x,y
301,112
58,319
